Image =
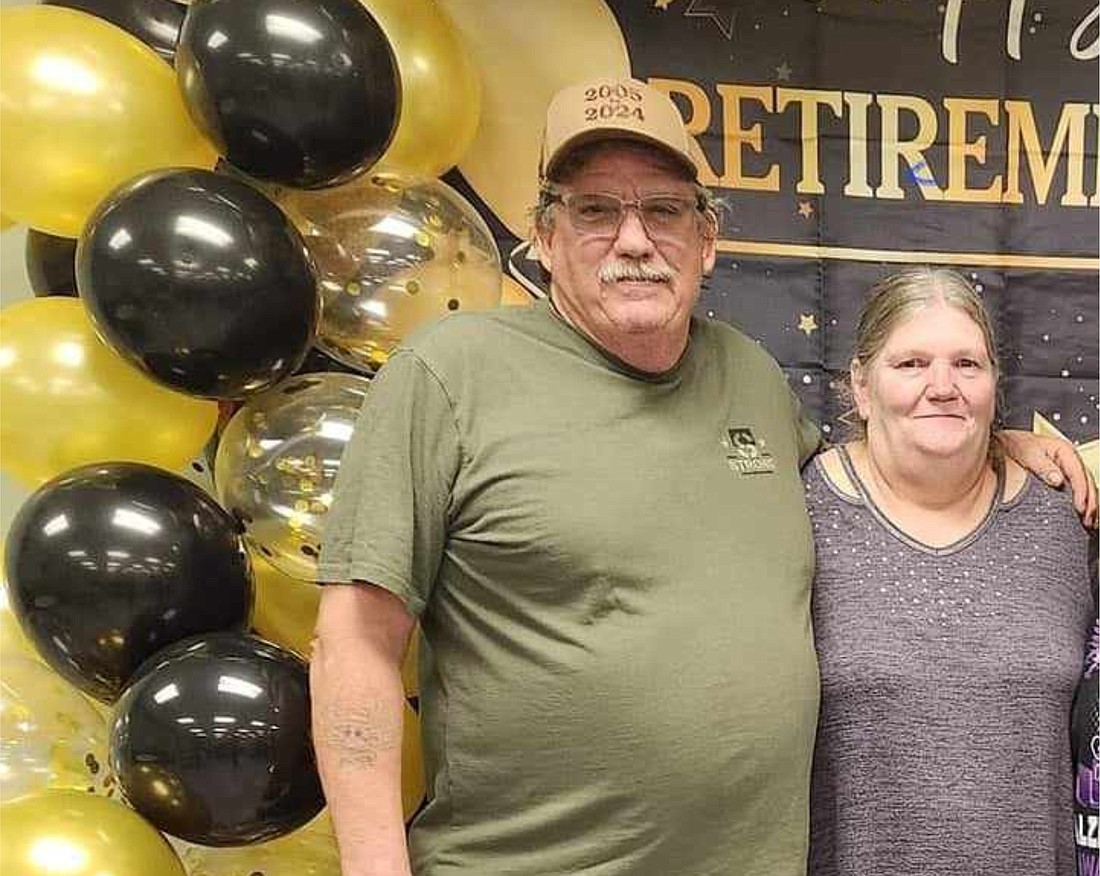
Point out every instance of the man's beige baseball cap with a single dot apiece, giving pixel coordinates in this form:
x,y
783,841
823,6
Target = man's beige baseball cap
x,y
612,109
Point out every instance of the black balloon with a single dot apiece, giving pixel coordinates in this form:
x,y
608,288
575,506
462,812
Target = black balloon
x,y
200,281
301,92
51,263
211,741
109,563
156,23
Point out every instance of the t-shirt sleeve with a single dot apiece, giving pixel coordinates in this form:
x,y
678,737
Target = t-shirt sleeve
x,y
391,502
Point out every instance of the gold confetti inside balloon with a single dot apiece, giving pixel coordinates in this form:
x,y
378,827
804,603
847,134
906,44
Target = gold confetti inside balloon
x,y
73,833
393,254
277,461
50,736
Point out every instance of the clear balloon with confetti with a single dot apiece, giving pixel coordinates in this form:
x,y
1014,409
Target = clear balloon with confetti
x,y
277,461
50,735
393,254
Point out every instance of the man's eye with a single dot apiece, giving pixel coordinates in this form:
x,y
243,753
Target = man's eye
x,y
594,210
910,363
665,209
968,363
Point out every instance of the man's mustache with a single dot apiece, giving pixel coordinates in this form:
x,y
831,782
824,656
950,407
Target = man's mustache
x,y
619,270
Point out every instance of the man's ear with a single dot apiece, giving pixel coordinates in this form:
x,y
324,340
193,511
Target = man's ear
x,y
710,243
857,376
541,240
710,254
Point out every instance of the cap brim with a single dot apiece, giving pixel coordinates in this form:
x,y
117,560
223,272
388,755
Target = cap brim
x,y
591,136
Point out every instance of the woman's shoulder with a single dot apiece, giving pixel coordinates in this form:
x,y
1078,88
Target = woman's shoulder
x,y
1016,480
834,472
827,480
1028,495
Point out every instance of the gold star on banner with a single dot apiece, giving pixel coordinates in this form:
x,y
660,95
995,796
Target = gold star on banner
x,y
807,323
783,72
1089,452
661,4
805,209
723,18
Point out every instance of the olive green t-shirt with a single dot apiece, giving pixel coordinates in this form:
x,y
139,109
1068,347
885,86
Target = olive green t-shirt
x,y
612,571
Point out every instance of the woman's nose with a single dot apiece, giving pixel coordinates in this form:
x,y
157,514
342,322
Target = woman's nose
x,y
941,380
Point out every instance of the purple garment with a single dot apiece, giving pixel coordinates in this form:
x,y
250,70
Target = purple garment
x,y
1085,741
947,679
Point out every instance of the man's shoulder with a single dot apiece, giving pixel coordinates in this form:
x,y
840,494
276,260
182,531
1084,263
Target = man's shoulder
x,y
457,331
735,346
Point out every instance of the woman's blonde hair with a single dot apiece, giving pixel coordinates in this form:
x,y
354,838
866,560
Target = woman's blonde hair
x,y
894,299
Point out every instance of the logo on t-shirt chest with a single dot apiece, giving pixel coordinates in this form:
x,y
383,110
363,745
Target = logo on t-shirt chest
x,y
745,453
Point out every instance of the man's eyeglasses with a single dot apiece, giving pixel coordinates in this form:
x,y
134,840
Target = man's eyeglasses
x,y
600,214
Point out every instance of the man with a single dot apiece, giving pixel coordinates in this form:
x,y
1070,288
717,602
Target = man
x,y
594,508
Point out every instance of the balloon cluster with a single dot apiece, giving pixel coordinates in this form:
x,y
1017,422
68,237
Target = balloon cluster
x,y
233,221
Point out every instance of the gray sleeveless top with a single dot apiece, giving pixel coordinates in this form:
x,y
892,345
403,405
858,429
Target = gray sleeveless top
x,y
947,678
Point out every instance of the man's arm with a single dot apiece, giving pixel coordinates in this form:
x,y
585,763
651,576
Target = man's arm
x,y
1056,462
358,702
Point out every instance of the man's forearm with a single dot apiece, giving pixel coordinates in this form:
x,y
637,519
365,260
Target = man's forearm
x,y
358,704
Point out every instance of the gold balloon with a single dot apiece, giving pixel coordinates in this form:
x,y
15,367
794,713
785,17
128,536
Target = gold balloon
x,y
410,667
393,254
84,106
526,52
513,294
70,833
69,400
301,853
50,736
440,90
412,763
12,641
286,614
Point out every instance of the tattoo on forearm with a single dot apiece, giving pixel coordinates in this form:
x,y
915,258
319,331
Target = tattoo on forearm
x,y
357,734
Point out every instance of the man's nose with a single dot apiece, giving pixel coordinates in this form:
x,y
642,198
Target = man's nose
x,y
632,237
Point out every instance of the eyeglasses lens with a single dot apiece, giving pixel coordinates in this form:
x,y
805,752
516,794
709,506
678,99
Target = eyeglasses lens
x,y
665,216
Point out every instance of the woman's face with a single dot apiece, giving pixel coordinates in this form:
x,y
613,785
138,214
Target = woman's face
x,y
932,389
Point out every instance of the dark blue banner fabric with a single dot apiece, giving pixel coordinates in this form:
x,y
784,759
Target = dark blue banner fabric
x,y
847,138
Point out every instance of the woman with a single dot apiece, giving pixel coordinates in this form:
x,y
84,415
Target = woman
x,y
951,607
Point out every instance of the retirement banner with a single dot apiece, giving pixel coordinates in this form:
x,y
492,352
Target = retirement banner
x,y
845,138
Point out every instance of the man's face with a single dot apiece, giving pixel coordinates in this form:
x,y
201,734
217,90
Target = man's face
x,y
626,282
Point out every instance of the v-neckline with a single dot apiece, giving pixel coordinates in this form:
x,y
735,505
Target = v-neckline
x,y
901,534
